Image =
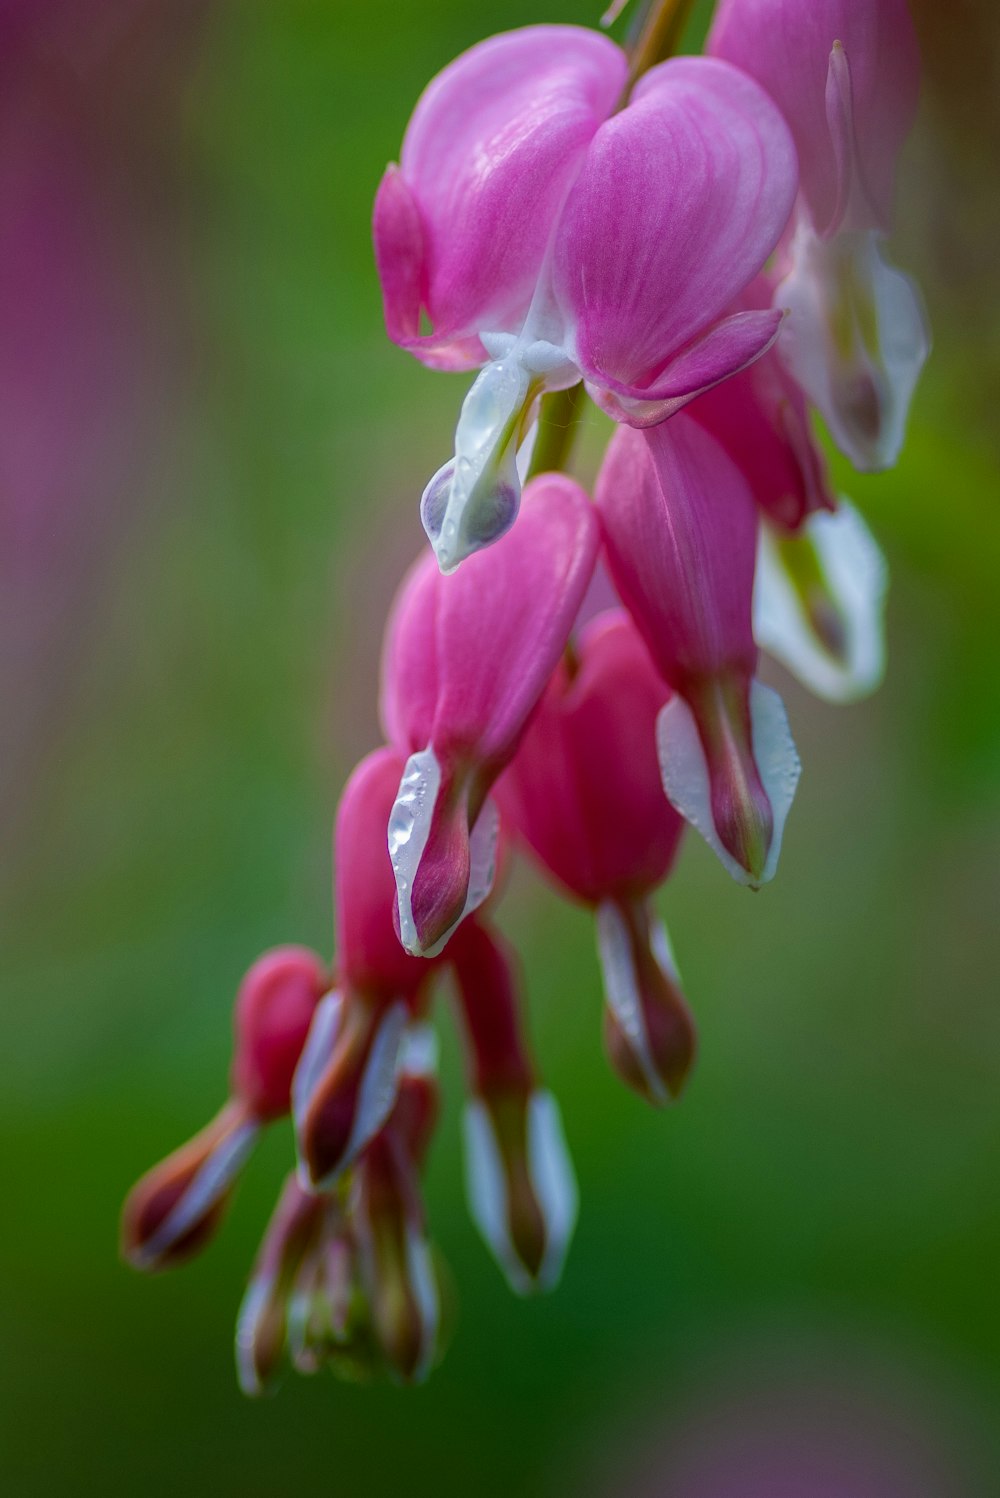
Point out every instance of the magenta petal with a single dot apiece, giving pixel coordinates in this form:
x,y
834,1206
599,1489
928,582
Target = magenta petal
x,y
400,255
583,790
680,527
467,657
787,47
730,346
681,198
491,148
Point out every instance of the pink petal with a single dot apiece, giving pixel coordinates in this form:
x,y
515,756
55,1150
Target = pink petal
x,y
680,528
730,346
841,131
487,158
584,788
274,1009
681,198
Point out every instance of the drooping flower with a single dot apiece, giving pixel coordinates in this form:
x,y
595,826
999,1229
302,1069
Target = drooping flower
x,y
346,1080
466,659
680,529
584,793
559,240
175,1208
845,74
519,1179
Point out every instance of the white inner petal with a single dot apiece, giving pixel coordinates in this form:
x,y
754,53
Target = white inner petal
x,y
834,289
206,1189
684,771
856,577
622,991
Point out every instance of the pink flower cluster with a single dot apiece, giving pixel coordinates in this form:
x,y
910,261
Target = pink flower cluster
x,y
701,248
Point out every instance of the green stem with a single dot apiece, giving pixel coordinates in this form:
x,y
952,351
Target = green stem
x,y
559,420
658,38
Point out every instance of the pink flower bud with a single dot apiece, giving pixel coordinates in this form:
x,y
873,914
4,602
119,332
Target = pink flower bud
x,y
390,1226
262,1326
466,659
585,794
519,1178
845,73
274,1009
177,1206
536,226
345,1084
173,1211
681,532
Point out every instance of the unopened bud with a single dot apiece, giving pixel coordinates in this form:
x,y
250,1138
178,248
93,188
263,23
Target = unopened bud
x,y
172,1212
345,1084
262,1324
648,1028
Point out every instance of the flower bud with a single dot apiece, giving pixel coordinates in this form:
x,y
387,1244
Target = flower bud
x,y
172,1212
465,661
274,1009
262,1324
519,1179
649,1031
394,1255
681,531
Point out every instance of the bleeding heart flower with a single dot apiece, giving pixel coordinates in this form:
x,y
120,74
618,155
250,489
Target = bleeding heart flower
x,y
175,1208
585,794
466,659
560,240
519,1179
680,528
845,74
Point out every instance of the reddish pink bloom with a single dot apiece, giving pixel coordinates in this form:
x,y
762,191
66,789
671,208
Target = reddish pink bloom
x,y
541,230
584,792
465,661
346,1081
176,1207
681,532
519,1179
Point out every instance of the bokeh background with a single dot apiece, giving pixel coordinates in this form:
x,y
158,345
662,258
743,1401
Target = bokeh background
x,y
210,459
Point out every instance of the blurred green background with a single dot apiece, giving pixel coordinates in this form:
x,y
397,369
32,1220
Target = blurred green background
x,y
806,1249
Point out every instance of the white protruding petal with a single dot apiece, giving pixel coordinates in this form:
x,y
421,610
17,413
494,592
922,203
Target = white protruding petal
x,y
855,576
418,1053
836,289
554,1182
205,1191
252,1307
423,1283
315,1054
621,986
379,1085
409,829
684,771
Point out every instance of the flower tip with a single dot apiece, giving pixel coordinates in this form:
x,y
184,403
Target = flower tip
x,y
345,1085
649,1032
176,1208
520,1186
734,786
